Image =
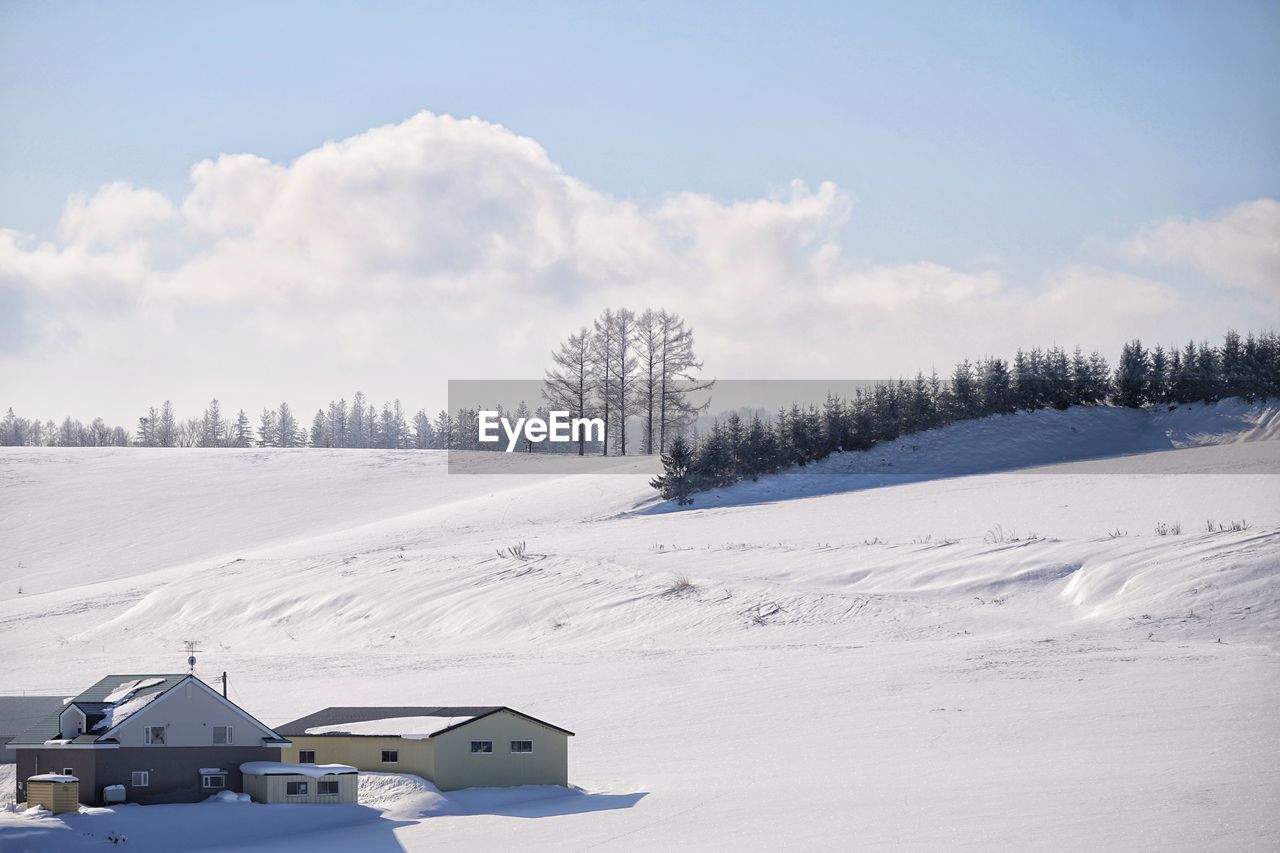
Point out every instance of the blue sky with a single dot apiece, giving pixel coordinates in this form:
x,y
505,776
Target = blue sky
x,y
960,129
1005,136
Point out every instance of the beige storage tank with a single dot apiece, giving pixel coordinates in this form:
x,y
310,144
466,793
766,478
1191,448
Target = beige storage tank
x,y
54,791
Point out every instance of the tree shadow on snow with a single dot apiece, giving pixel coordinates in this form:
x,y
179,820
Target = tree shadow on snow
x,y
825,478
786,486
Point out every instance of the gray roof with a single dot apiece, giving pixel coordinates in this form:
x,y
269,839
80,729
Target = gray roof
x,y
19,713
338,716
92,702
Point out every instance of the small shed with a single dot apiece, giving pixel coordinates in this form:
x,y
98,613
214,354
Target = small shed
x,y
278,782
54,791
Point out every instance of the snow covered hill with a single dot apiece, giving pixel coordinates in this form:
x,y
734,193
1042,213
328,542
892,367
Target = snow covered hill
x,y
1016,441
1038,631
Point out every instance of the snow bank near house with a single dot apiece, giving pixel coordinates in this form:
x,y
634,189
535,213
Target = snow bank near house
x,y
400,795
404,796
410,728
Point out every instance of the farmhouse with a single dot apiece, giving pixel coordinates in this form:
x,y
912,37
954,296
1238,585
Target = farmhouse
x,y
148,738
453,747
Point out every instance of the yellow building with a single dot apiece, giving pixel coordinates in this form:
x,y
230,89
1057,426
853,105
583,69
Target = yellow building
x,y
453,747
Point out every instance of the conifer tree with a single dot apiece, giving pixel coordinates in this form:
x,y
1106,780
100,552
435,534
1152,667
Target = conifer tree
x,y
675,482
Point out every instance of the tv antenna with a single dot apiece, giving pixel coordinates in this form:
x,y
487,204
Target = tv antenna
x,y
192,648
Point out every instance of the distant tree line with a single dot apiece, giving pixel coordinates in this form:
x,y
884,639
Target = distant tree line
x,y
743,449
633,370
17,431
358,425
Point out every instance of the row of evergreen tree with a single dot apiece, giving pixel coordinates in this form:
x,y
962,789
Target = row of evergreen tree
x,y
745,448
354,425
358,425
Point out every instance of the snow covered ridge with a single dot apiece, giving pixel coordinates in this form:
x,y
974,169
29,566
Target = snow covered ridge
x,y
1023,439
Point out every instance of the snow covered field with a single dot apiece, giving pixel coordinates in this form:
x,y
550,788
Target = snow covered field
x,y
971,639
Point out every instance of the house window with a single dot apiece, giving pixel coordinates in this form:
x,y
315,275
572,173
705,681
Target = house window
x,y
214,780
222,735
295,789
155,735
68,771
141,778
306,756
481,746
522,746
327,786
390,756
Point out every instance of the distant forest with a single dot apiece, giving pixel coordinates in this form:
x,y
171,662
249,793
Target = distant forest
x,y
741,449
632,369
638,370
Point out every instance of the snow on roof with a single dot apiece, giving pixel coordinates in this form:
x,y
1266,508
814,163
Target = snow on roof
x,y
410,728
123,710
280,768
52,777
212,770
128,688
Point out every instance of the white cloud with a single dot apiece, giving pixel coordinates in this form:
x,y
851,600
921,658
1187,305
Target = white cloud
x,y
441,247
117,213
1240,246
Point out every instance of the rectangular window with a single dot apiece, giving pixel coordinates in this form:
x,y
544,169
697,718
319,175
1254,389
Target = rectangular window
x,y
327,786
155,735
214,780
522,746
68,771
306,756
222,735
390,756
481,746
295,789
141,778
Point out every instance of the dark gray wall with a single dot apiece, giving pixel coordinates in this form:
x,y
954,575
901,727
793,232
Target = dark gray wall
x,y
175,770
32,762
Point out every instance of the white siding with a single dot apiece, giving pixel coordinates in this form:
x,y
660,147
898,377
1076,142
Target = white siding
x,y
71,721
189,712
